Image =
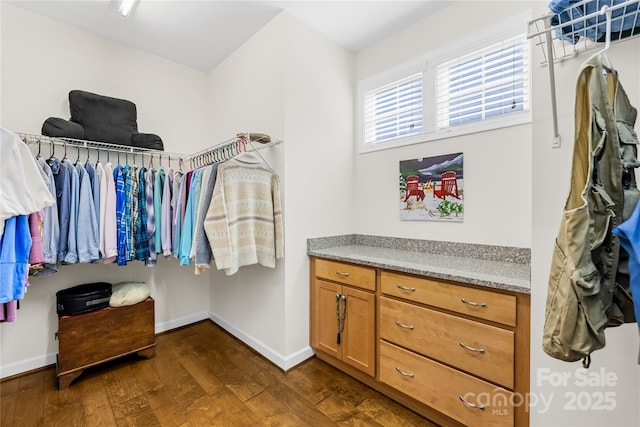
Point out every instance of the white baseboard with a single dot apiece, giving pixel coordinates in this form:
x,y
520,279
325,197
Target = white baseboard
x,y
50,359
27,365
183,321
283,362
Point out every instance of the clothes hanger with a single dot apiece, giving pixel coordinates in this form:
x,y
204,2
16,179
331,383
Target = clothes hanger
x,y
52,150
606,10
65,152
77,155
38,155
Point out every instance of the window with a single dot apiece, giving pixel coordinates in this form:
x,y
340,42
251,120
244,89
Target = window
x,y
394,110
485,83
481,83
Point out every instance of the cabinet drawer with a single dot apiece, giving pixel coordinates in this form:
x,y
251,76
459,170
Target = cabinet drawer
x,y
444,388
89,338
354,275
483,350
484,304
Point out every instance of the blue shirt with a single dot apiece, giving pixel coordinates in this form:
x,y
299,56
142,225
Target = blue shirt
x,y
72,248
87,236
15,245
121,222
62,182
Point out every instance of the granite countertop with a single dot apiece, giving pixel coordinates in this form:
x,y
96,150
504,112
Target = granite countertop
x,y
490,266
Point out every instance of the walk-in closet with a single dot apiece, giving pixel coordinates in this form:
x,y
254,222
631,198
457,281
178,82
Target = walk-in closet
x,y
377,213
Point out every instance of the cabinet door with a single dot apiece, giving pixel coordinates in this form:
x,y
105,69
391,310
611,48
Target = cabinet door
x,y
325,318
358,344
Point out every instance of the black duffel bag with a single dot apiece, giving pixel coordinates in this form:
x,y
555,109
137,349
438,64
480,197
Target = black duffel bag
x,y
83,298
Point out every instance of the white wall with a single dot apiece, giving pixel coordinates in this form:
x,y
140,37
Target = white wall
x,y
42,60
551,175
497,164
294,84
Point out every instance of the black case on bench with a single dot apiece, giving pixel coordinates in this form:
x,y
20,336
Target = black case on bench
x,y
83,298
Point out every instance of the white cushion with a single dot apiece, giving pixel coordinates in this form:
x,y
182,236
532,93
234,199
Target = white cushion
x,y
128,293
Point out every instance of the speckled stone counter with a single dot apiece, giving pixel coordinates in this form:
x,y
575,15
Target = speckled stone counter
x,y
499,267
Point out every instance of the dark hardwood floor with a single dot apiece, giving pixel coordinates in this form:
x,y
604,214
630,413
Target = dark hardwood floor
x,y
200,376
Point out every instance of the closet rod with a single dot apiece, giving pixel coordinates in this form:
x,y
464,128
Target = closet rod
x,y
231,141
96,145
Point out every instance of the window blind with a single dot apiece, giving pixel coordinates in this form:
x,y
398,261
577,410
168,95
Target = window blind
x,y
489,82
394,110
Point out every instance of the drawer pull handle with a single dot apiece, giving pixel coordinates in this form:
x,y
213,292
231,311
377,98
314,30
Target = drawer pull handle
x,y
405,288
475,304
404,326
340,273
471,405
406,374
477,350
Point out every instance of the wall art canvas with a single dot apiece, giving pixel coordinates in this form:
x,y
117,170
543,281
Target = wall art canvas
x,y
432,188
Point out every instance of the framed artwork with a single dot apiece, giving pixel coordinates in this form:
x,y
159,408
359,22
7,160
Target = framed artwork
x,y
432,188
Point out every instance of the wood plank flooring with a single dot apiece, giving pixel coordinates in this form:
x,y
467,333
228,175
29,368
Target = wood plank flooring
x,y
200,376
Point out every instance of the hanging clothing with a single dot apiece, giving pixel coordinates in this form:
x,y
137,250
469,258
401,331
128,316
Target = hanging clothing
x,y
87,239
36,253
142,238
167,214
244,221
203,172
121,220
158,187
94,179
110,218
203,249
151,219
186,235
15,245
585,266
22,190
72,249
102,206
200,194
50,225
179,216
629,234
135,212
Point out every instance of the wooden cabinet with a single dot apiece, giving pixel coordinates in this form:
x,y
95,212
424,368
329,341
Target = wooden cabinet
x,y
457,354
343,314
88,339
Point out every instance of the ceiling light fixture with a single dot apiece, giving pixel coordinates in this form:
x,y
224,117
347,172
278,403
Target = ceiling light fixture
x,y
126,6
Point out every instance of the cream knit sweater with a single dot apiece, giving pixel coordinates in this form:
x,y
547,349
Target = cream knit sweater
x,y
244,220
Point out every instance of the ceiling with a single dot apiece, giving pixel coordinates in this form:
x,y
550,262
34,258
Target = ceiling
x,y
202,33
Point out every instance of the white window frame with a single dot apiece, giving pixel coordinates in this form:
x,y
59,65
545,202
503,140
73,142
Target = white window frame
x,y
428,64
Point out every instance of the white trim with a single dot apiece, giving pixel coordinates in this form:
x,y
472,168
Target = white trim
x,y
178,323
427,63
27,365
283,362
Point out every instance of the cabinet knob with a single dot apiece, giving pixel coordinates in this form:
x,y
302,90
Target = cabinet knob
x,y
343,274
405,288
111,323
